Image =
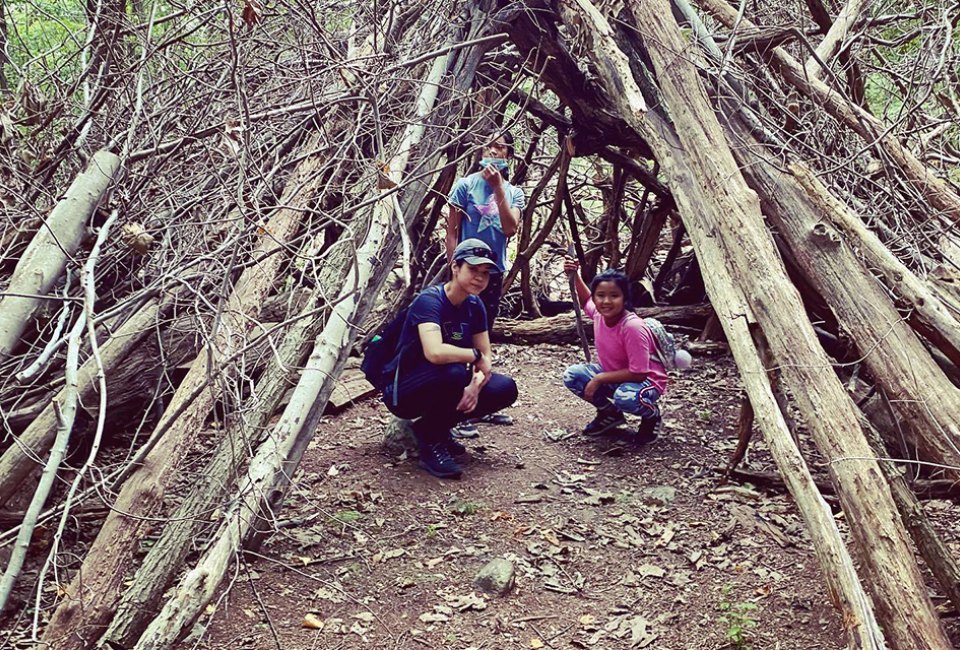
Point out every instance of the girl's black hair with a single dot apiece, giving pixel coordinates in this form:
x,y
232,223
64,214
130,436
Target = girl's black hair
x,y
508,138
620,279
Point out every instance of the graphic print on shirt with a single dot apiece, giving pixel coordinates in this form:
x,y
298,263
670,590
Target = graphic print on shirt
x,y
455,331
489,215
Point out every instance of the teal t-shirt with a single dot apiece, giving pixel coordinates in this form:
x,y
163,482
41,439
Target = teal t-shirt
x,y
481,218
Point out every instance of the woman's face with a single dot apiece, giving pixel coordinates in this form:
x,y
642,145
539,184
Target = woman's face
x,y
608,299
474,278
497,149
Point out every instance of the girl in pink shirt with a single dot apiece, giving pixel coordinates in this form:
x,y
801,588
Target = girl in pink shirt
x,y
630,377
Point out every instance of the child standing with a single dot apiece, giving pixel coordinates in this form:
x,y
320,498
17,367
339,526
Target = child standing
x,y
630,377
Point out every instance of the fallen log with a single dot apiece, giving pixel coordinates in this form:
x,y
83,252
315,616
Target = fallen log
x,y
842,581
563,327
141,598
351,387
54,243
944,281
929,314
936,555
159,349
731,219
947,489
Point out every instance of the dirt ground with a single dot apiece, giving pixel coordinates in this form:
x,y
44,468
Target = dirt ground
x,y
613,546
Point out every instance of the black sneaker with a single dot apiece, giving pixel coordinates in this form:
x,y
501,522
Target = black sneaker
x,y
606,419
647,431
437,460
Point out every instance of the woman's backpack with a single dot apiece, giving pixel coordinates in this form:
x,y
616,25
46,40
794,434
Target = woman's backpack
x,y
382,350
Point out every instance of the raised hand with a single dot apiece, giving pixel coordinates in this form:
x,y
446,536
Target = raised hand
x,y
491,174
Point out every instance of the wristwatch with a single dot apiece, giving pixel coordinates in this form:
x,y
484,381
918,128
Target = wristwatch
x,y
477,355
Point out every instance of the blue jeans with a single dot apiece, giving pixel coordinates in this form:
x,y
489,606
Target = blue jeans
x,y
628,397
431,393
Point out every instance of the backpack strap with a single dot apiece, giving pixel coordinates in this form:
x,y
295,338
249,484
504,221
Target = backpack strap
x,y
396,384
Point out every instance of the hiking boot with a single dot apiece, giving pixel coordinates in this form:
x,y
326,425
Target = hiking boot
x,y
465,430
647,431
454,447
437,460
609,418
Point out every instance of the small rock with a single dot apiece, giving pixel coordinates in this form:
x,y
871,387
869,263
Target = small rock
x,y
496,577
398,436
662,495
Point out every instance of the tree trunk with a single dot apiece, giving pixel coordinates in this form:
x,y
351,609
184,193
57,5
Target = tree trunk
x,y
727,229
935,553
929,315
872,130
281,453
45,258
804,218
91,597
730,239
141,600
563,329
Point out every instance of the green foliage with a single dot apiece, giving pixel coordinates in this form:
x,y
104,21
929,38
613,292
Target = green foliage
x,y
906,43
346,516
432,531
465,508
625,497
737,619
49,31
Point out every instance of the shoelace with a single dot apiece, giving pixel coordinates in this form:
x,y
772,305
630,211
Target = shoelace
x,y
441,454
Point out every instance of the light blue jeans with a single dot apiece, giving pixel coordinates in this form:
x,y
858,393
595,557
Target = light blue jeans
x,y
628,397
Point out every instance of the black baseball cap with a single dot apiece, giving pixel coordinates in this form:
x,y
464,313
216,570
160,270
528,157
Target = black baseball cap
x,y
475,251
